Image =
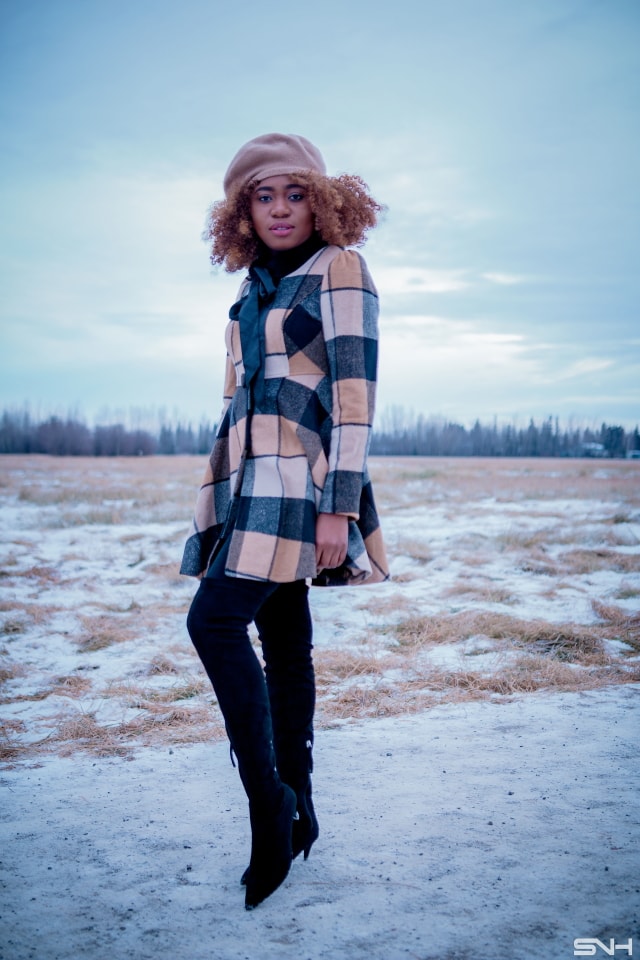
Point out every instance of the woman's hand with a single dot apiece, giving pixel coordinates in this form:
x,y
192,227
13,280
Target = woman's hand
x,y
332,532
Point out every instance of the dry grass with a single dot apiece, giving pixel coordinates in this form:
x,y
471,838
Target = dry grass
x,y
70,686
626,591
100,632
29,613
162,665
394,672
378,606
40,574
467,479
621,537
476,559
527,675
619,624
525,540
413,548
539,564
570,642
408,576
566,657
79,731
167,571
334,666
10,746
485,592
147,698
589,561
9,671
105,491
161,725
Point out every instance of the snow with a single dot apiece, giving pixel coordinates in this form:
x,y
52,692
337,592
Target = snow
x,y
476,831
496,829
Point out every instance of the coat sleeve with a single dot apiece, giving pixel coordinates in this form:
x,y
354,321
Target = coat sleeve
x,y
349,304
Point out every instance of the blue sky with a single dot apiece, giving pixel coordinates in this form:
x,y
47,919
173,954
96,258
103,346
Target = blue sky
x,y
502,135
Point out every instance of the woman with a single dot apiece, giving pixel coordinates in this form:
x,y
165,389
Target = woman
x,y
286,497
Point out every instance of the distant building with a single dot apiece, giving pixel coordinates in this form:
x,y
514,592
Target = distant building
x,y
593,450
633,454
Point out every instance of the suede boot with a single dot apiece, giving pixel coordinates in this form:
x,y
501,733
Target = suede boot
x,y
239,684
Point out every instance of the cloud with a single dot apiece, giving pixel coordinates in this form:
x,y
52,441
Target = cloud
x,y
504,279
584,367
463,368
121,269
409,280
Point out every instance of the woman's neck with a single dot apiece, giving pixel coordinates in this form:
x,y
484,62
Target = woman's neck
x,y
281,262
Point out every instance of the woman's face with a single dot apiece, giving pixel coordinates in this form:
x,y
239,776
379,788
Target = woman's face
x,y
281,213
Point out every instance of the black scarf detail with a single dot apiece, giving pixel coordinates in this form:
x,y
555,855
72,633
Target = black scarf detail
x,y
265,274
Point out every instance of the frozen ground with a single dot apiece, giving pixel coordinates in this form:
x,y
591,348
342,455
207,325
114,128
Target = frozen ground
x,y
476,755
472,832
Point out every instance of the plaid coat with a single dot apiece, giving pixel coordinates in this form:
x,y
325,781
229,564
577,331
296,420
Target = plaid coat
x,y
309,435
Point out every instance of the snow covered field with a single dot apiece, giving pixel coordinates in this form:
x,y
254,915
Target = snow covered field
x,y
476,758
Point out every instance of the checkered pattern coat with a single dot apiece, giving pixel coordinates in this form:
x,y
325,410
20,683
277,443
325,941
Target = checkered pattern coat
x,y
309,436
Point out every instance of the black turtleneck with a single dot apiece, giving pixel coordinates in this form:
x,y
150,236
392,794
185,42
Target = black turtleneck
x,y
281,262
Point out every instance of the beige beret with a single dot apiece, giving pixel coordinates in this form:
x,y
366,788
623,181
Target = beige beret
x,y
271,155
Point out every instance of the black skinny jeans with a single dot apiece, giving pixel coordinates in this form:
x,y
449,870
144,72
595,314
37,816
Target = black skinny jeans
x,y
259,708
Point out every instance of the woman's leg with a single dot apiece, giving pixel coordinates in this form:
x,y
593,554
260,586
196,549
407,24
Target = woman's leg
x,y
218,620
285,629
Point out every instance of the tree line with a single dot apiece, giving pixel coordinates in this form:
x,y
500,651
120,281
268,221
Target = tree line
x,y
398,434
69,436
403,434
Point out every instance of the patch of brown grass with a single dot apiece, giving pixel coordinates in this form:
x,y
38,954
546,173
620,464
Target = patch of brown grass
x,y
570,642
539,565
156,726
333,666
529,674
168,571
377,606
407,577
471,559
524,540
488,593
80,731
132,607
582,561
148,698
69,686
161,664
9,671
621,537
41,573
415,549
29,613
82,726
101,632
619,624
10,747
626,591
178,725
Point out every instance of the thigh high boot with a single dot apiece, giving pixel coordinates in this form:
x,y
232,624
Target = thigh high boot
x,y
217,624
285,629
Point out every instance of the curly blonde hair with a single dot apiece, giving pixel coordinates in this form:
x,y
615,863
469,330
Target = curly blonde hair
x,y
343,209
